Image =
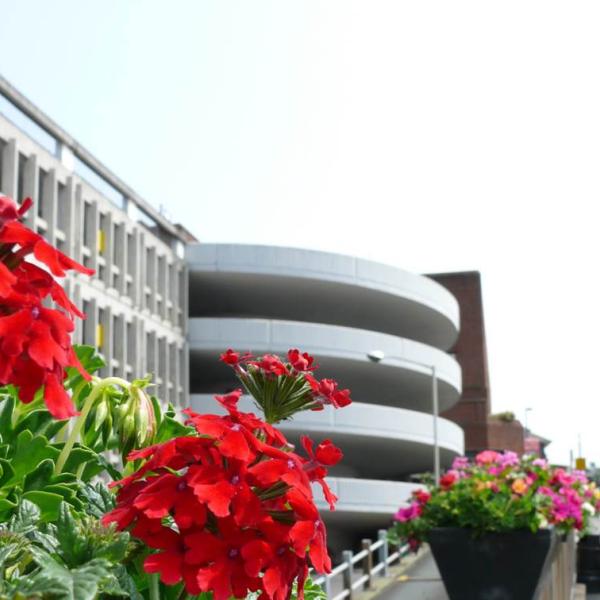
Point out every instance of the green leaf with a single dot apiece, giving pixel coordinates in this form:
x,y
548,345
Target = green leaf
x,y
26,518
6,470
53,428
48,502
6,506
29,452
67,491
79,455
6,412
36,421
61,583
40,476
169,429
71,544
99,500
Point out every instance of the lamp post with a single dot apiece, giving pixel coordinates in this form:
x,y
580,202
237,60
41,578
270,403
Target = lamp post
x,y
526,427
378,356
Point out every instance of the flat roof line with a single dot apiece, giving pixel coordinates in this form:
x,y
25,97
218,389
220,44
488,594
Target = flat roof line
x,y
58,133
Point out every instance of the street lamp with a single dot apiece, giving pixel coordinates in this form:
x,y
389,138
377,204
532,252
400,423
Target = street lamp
x,y
378,356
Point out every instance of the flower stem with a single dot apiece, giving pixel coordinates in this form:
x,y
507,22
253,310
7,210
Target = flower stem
x,y
85,411
154,588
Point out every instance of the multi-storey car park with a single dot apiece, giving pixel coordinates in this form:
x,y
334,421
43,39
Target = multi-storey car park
x,y
343,310
136,305
263,299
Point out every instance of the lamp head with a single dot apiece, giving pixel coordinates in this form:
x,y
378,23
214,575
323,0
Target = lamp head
x,y
376,355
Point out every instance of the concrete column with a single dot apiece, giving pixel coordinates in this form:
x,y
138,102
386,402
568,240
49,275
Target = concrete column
x,y
10,168
69,217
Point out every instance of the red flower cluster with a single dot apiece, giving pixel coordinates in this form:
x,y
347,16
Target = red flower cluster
x,y
324,391
35,341
229,511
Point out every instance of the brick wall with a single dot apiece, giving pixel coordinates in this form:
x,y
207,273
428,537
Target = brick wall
x,y
472,412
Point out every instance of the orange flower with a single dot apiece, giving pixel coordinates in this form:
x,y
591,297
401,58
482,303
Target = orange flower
x,y
519,486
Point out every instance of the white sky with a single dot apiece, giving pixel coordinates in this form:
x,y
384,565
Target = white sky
x,y
435,136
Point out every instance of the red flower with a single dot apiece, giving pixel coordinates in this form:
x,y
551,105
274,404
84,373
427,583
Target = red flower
x,y
170,562
448,479
35,341
326,455
300,361
242,501
422,496
270,364
231,358
166,493
9,210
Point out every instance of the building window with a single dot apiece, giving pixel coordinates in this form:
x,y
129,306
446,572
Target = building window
x,y
130,358
89,335
2,148
101,234
88,225
41,193
21,177
62,212
151,354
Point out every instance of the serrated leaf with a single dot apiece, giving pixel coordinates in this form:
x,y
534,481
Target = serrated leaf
x,y
72,546
77,457
26,518
35,421
53,428
99,500
47,502
40,476
61,583
29,452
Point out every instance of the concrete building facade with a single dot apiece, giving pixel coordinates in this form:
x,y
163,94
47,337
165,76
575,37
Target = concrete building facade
x,y
136,305
161,303
340,309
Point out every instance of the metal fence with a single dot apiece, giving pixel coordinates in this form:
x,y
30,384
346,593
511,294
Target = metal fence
x,y
357,571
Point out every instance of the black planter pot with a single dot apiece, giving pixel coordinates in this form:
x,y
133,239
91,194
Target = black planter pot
x,y
495,566
588,562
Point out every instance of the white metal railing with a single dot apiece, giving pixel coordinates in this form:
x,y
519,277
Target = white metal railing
x,y
346,569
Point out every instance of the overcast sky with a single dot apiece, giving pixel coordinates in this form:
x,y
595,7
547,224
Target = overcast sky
x,y
434,136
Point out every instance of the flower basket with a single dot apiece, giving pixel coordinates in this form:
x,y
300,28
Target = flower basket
x,y
491,521
502,566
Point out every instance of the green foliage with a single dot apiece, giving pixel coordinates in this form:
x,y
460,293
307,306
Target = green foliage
x,y
499,493
74,559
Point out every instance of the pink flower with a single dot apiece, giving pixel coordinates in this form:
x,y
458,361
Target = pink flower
x,y
487,457
540,462
508,459
408,514
460,462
